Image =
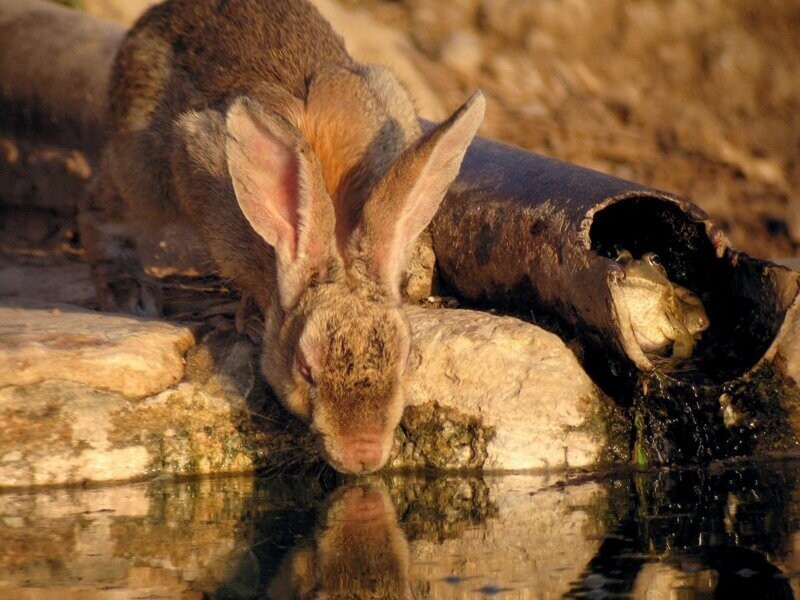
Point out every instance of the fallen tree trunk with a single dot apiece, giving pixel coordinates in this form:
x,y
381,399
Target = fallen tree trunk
x,y
538,235
524,230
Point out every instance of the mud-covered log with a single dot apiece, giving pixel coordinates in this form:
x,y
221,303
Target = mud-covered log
x,y
536,235
525,231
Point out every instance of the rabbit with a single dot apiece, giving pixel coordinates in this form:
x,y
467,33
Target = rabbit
x,y
358,550
307,176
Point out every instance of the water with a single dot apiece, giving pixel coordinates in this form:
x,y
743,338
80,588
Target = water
x,y
723,532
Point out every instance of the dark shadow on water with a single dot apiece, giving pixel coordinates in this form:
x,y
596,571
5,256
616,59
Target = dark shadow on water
x,y
712,533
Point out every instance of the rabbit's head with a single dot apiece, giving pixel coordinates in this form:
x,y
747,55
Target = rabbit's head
x,y
336,342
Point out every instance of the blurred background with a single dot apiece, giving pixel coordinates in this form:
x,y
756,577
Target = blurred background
x,y
697,97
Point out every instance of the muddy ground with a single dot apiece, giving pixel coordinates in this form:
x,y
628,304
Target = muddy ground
x,y
698,97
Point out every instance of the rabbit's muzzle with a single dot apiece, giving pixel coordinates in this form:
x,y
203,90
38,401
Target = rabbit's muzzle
x,y
362,453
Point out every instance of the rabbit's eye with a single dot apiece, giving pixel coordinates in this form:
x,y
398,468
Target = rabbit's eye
x,y
303,368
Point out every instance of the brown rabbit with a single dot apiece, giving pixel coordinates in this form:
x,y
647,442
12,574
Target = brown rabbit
x,y
307,176
358,551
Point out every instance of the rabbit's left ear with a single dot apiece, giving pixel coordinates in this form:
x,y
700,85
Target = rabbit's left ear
x,y
408,196
279,189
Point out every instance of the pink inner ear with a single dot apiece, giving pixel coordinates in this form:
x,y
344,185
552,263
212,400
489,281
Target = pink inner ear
x,y
275,159
265,171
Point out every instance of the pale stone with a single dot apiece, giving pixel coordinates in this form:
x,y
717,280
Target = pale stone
x,y
135,357
787,361
486,392
792,263
521,384
789,354
113,464
60,432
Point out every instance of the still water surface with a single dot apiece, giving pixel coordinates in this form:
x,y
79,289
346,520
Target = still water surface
x,y
725,532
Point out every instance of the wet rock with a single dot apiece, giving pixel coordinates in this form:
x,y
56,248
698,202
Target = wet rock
x,y
788,355
789,358
60,432
502,394
486,393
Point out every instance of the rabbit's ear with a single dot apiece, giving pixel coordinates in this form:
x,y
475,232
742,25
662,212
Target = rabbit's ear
x,y
405,200
279,188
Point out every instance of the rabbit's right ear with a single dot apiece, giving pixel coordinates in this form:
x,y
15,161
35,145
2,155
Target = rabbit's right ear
x,y
279,187
406,199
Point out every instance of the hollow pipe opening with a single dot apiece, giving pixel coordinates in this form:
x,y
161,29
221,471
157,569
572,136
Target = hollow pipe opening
x,y
745,300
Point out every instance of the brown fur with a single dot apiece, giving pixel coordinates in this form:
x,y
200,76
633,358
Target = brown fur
x,y
307,177
358,552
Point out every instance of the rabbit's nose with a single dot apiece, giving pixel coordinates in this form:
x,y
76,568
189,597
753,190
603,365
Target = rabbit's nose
x,y
363,453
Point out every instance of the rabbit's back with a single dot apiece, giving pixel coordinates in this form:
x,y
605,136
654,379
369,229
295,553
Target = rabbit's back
x,y
202,53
